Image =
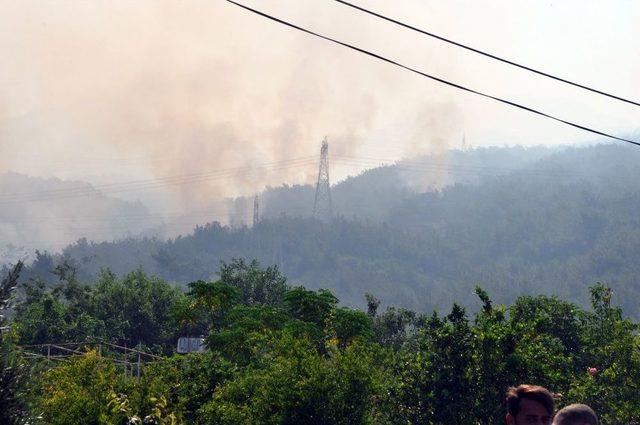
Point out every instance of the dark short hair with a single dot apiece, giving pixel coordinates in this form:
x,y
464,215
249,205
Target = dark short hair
x,y
576,413
529,392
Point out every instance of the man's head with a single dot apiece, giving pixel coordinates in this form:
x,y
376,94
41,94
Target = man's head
x,y
529,405
576,414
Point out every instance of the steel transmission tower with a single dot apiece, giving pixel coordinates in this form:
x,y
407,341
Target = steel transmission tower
x,y
322,208
256,210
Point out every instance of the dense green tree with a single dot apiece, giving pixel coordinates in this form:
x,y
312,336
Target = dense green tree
x,y
204,306
310,306
133,310
257,285
136,309
433,376
348,325
186,383
608,375
14,372
394,326
78,391
88,389
299,386
247,330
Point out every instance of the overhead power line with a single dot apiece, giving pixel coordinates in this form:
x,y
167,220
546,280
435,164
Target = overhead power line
x,y
112,188
487,54
432,77
471,169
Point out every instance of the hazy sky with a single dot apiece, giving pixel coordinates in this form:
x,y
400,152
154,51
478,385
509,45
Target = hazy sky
x,y
111,91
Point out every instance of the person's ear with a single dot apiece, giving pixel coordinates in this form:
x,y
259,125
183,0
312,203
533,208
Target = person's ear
x,y
509,419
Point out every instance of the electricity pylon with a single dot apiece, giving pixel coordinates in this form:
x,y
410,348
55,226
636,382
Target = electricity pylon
x,y
256,210
322,208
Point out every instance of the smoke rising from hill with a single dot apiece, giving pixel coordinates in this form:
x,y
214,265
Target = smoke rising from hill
x,y
114,91
181,85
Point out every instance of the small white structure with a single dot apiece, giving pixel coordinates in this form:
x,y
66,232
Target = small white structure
x,y
190,345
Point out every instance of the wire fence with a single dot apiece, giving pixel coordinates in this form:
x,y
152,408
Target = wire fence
x,y
131,360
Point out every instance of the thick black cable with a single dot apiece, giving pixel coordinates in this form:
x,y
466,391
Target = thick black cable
x,y
440,80
487,54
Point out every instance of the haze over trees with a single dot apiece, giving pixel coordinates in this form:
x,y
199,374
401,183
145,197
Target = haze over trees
x,y
40,213
554,222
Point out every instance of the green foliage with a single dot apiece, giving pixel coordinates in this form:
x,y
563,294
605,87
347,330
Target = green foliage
x,y
432,375
299,357
204,306
257,285
240,282
298,386
246,330
542,340
78,391
14,372
135,310
188,381
8,284
88,389
393,327
310,306
15,375
611,348
349,324
122,413
214,297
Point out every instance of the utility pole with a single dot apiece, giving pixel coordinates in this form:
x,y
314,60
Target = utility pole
x,y
322,208
256,210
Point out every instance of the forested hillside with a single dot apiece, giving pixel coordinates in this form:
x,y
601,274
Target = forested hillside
x,y
372,194
38,213
555,226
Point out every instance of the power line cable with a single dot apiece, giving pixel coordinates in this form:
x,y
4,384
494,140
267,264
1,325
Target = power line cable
x,y
432,77
454,167
113,188
357,161
487,54
344,160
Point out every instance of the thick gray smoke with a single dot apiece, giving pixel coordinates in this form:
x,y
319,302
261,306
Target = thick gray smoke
x,y
193,86
212,102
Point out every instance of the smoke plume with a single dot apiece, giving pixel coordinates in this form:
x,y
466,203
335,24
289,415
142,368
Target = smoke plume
x,y
212,102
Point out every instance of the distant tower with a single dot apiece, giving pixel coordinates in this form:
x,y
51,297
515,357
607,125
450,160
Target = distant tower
x,y
322,208
256,210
